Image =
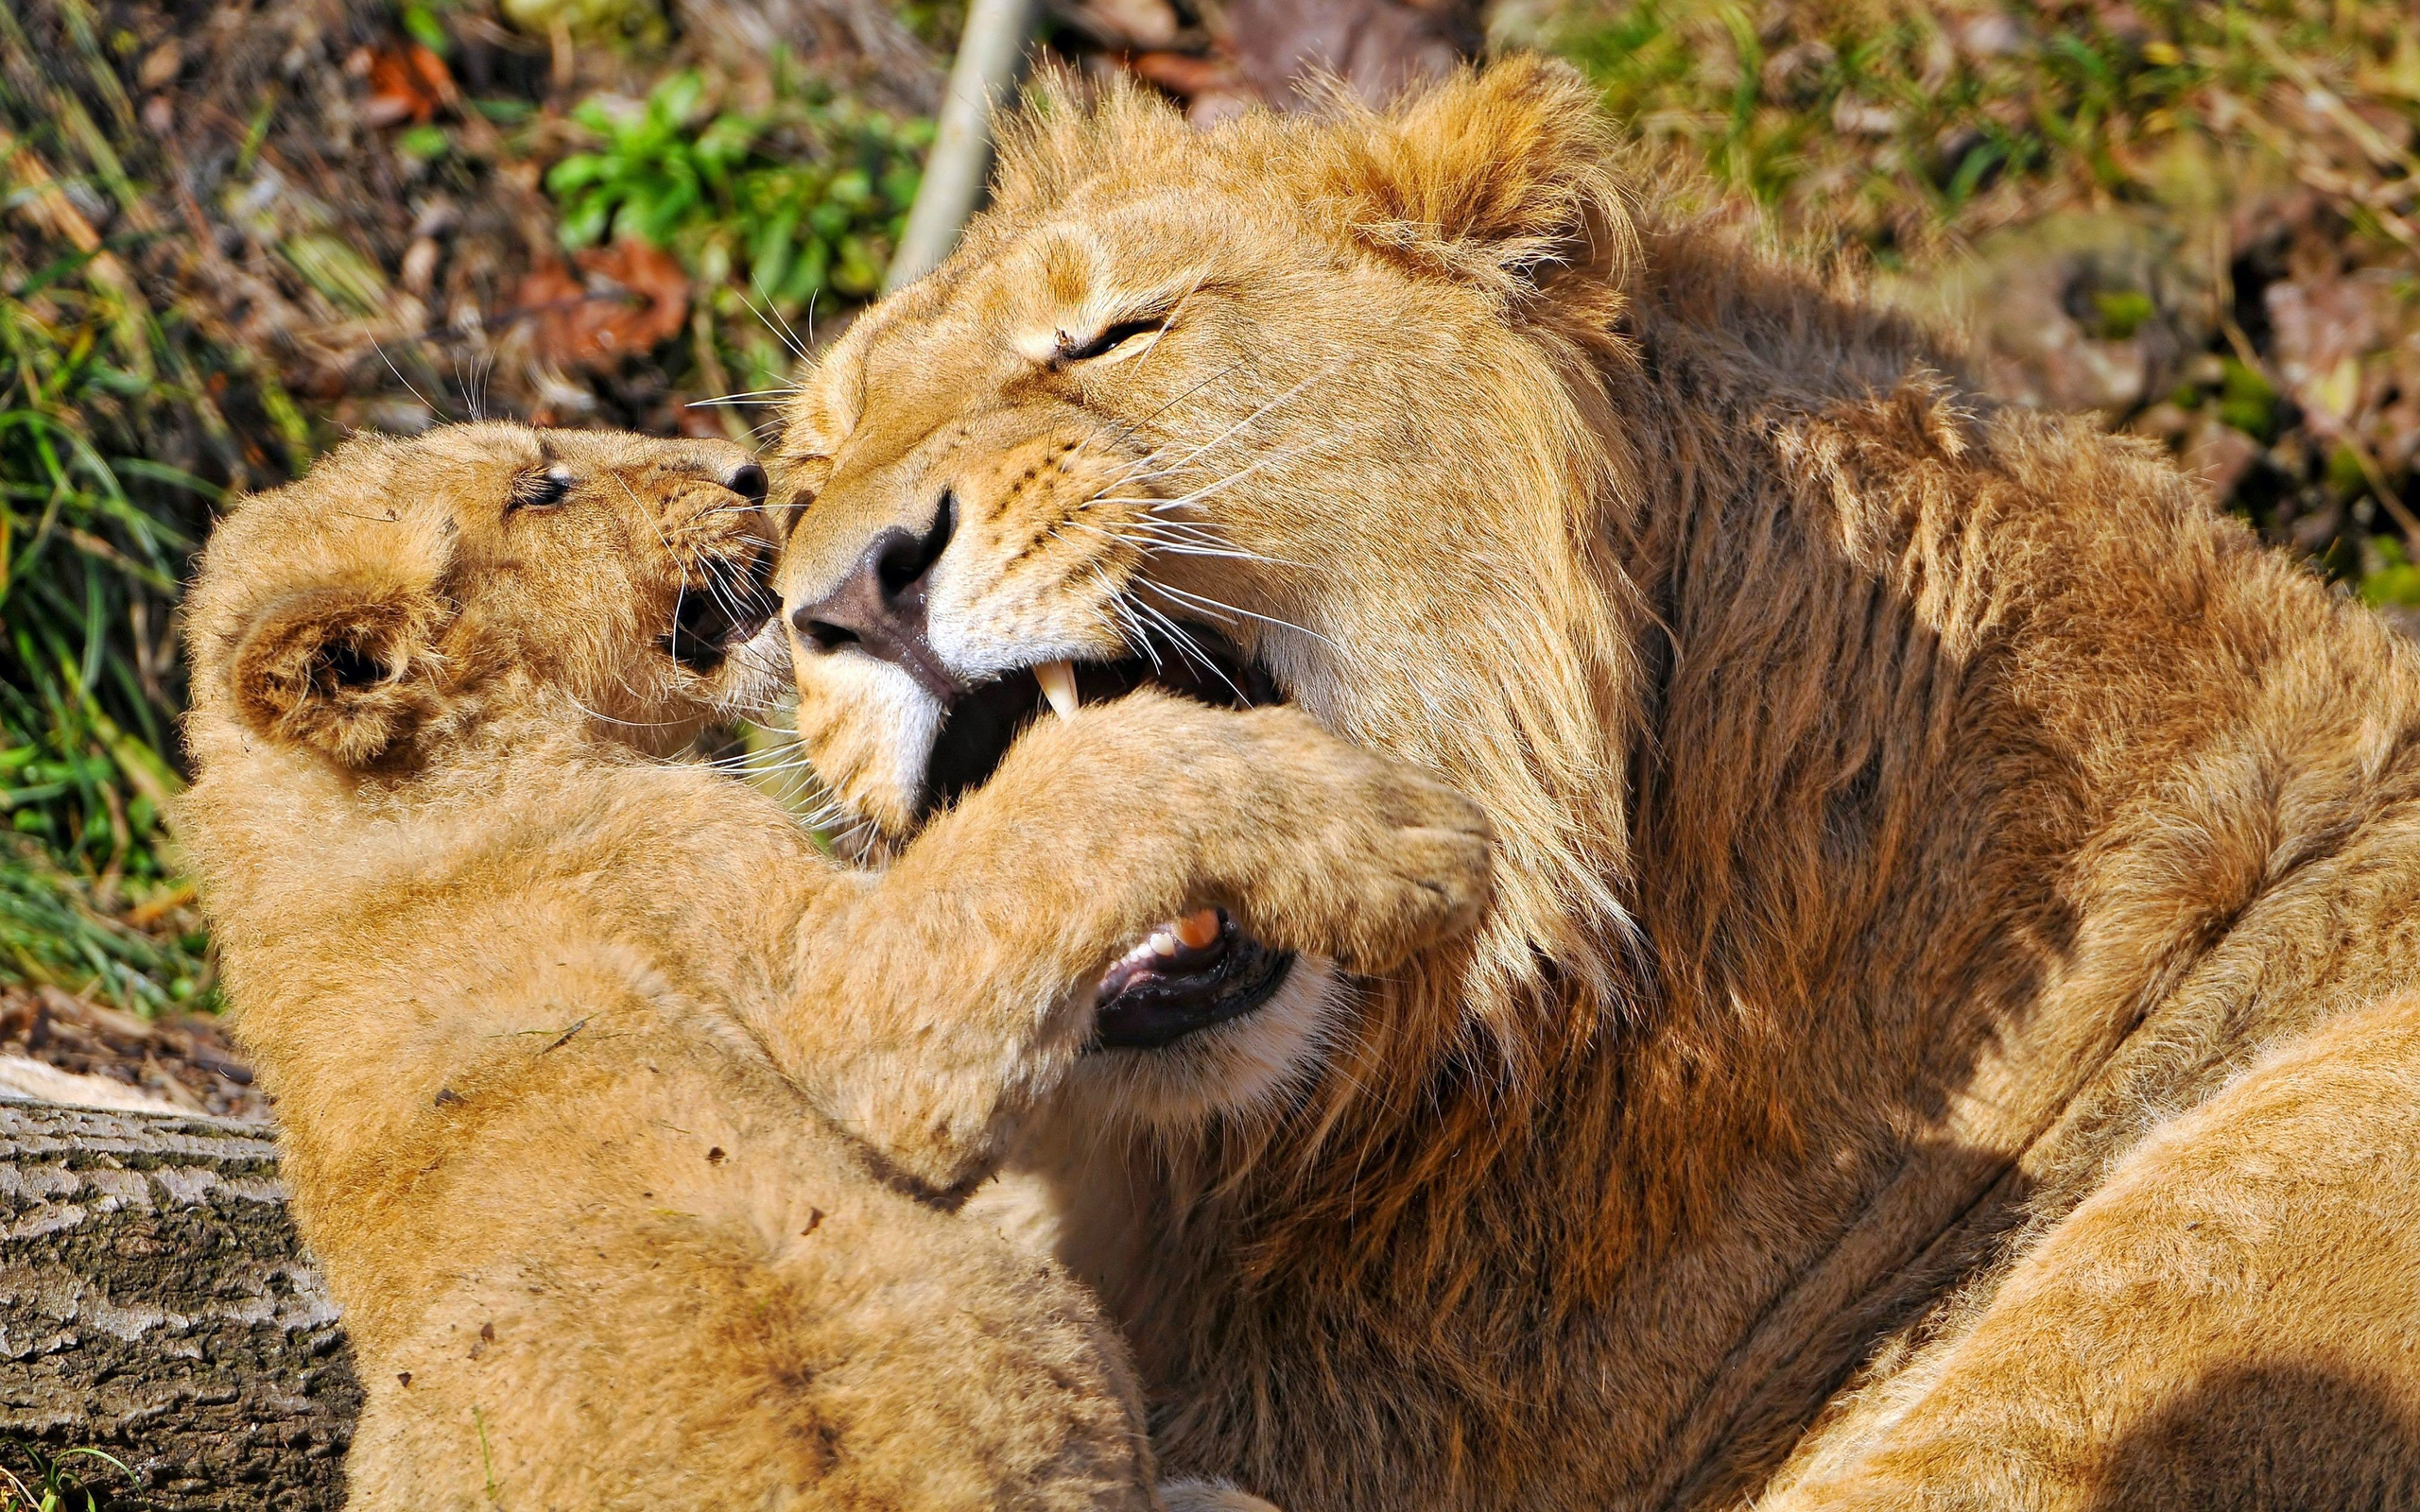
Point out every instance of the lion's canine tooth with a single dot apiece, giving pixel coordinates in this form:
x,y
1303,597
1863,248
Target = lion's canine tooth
x,y
1163,943
1198,930
1058,681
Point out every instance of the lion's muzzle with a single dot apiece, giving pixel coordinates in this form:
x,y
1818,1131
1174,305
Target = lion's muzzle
x,y
879,603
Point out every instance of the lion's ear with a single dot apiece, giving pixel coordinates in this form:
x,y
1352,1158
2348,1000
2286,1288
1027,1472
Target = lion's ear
x,y
347,668
1498,178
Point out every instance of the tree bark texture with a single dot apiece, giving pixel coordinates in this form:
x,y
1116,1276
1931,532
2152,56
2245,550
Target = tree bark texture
x,y
155,1304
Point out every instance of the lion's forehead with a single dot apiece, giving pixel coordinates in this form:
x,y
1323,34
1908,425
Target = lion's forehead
x,y
1061,276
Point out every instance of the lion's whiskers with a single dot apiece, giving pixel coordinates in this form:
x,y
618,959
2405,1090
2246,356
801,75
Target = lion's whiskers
x,y
1188,647
601,716
747,396
1215,607
782,333
1255,416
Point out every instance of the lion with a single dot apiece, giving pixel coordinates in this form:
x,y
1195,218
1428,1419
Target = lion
x,y
630,1126
1928,1043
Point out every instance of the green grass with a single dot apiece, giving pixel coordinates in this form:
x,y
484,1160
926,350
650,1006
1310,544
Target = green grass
x,y
49,1484
94,538
1908,131
772,193
1892,121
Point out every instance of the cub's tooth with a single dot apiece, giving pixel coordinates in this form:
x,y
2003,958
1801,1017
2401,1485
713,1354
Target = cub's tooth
x,y
1163,943
1058,681
1198,930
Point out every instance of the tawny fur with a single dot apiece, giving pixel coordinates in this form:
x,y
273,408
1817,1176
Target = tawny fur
x,y
626,1124
1905,804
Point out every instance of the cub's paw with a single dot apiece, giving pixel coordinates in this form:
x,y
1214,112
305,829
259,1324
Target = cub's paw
x,y
1309,843
1358,858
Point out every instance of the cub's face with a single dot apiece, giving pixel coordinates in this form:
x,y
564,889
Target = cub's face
x,y
407,588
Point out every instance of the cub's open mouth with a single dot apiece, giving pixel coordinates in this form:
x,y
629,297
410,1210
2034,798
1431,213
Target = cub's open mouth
x,y
1198,972
723,613
981,725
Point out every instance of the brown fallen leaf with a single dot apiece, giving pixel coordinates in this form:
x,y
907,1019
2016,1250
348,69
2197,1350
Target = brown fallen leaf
x,y
1185,75
406,83
630,299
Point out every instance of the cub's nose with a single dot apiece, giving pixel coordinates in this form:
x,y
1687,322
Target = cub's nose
x,y
879,603
748,481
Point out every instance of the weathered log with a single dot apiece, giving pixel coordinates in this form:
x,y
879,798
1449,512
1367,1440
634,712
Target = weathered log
x,y
155,1304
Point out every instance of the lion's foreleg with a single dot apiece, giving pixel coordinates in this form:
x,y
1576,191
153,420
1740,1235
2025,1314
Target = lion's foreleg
x,y
2232,1320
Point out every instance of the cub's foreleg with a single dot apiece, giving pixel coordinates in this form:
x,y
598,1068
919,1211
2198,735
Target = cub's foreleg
x,y
937,1001
2231,1321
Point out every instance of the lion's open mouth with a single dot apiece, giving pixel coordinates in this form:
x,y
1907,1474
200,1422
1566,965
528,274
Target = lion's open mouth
x,y
1194,973
982,724
723,612
1198,972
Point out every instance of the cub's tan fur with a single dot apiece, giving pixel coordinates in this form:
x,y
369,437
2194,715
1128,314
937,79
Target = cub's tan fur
x,y
1912,812
626,1123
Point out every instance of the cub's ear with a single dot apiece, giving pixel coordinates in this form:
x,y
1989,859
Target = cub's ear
x,y
1498,179
350,669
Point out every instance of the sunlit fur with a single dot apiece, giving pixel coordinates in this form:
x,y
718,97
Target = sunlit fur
x,y
626,1124
1904,802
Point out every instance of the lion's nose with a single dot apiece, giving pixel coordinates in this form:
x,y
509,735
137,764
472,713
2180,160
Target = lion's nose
x,y
879,603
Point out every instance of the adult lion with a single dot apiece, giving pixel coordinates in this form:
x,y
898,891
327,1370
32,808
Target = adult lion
x,y
1934,1040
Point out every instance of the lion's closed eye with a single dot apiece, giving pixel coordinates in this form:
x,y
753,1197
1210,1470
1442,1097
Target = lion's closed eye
x,y
1118,337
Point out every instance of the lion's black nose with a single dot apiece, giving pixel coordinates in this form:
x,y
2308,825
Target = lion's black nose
x,y
879,603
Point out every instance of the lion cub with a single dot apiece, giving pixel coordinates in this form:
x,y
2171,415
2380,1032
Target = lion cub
x,y
626,1124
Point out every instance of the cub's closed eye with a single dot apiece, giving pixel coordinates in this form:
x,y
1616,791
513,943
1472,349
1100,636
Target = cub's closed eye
x,y
538,491
1109,338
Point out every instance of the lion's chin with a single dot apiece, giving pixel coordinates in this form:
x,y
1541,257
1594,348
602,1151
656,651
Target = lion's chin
x,y
1238,1067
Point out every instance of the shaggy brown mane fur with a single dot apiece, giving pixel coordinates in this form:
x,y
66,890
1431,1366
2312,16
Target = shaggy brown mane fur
x,y
1904,802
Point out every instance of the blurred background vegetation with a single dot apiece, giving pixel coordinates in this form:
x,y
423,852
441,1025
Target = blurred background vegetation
x,y
230,234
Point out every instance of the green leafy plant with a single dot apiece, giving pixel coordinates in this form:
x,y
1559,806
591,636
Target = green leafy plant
x,y
2394,581
804,196
52,1488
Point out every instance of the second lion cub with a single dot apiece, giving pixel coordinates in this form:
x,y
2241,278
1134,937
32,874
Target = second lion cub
x,y
627,1125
